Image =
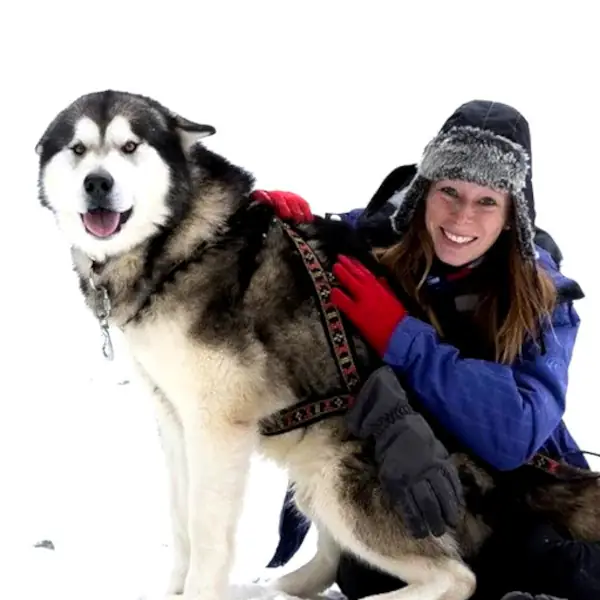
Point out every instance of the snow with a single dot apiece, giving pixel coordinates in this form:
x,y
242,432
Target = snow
x,y
323,100
66,576
104,507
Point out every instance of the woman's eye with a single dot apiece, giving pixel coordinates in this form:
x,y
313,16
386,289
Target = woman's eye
x,y
449,191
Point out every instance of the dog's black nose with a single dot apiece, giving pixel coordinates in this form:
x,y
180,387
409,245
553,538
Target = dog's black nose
x,y
98,186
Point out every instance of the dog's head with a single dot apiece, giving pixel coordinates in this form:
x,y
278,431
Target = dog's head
x,y
113,168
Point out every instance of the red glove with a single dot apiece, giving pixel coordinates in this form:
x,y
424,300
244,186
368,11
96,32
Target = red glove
x,y
370,303
286,205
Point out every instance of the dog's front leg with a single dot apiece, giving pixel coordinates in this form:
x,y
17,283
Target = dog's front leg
x,y
172,439
218,456
170,432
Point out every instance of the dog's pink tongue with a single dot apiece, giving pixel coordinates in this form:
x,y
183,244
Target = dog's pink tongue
x,y
101,223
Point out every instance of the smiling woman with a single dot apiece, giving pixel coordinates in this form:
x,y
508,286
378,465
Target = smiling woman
x,y
464,219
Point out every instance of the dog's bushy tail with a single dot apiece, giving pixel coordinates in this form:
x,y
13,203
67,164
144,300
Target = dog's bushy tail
x,y
570,501
572,505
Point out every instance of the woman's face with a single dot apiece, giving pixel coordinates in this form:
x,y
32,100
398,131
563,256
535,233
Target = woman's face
x,y
464,219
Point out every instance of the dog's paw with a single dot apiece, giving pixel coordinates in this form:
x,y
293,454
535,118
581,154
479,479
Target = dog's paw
x,y
176,583
174,589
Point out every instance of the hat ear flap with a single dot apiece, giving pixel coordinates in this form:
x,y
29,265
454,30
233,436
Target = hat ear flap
x,y
415,194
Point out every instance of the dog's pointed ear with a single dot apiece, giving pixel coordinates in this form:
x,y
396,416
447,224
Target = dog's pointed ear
x,y
39,147
190,133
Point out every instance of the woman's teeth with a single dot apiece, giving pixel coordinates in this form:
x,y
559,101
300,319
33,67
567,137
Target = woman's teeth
x,y
458,239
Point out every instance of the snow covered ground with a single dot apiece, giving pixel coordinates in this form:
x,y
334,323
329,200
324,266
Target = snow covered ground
x,y
92,482
323,99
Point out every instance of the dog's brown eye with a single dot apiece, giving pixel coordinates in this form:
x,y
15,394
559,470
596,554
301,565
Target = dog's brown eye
x,y
78,149
129,147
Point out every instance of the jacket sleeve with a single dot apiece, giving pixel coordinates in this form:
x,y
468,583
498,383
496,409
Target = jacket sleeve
x,y
351,217
503,413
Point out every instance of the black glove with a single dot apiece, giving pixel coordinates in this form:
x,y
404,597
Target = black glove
x,y
414,467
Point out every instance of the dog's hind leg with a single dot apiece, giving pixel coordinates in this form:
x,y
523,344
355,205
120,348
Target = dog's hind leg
x,y
429,579
352,505
315,576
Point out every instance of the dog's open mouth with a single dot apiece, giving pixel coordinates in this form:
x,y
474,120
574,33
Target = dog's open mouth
x,y
103,223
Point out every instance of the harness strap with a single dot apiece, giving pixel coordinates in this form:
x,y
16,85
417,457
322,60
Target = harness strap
x,y
304,414
322,281
560,470
310,411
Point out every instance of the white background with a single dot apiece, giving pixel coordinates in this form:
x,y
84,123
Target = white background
x,y
322,98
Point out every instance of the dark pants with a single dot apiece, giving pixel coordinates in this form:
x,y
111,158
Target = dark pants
x,y
535,559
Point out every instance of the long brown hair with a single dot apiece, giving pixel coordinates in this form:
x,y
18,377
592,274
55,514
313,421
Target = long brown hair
x,y
517,299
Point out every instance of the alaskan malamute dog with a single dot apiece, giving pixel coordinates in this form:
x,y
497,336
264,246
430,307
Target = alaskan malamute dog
x,y
222,319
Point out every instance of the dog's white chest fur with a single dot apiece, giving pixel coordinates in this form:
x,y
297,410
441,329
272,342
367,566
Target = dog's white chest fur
x,y
175,364
208,380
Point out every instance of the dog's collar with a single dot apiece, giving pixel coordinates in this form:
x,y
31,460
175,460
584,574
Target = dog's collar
x,y
102,310
90,270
